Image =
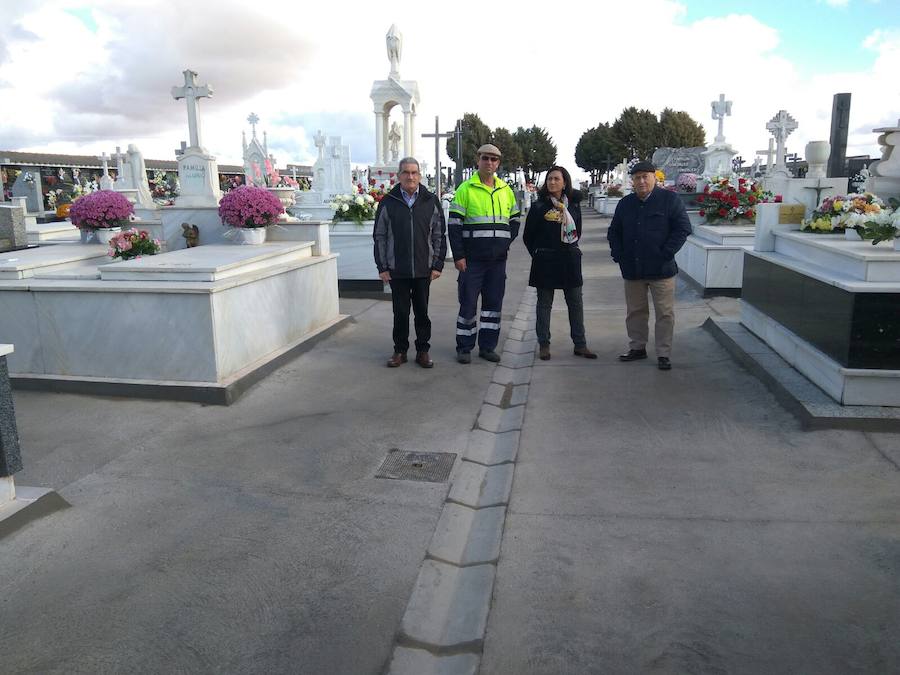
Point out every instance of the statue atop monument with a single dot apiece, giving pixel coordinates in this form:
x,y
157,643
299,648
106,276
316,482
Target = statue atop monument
x,y
394,41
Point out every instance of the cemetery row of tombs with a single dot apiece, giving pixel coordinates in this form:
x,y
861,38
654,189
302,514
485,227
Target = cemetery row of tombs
x,y
815,263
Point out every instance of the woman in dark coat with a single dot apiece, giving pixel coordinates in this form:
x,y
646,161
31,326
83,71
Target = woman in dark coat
x,y
552,231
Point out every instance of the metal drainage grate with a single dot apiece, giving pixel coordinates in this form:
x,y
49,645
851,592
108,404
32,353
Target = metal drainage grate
x,y
433,467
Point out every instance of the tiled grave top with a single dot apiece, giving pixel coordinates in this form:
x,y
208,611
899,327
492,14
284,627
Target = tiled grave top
x,y
206,263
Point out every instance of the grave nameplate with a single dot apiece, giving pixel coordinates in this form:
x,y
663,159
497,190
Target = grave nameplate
x,y
791,213
676,161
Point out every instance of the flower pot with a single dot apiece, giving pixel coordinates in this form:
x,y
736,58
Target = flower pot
x,y
817,154
104,234
851,235
247,235
62,211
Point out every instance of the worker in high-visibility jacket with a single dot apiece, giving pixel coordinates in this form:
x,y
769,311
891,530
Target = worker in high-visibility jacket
x,y
483,222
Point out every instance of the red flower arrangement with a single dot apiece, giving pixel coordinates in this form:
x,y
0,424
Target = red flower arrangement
x,y
725,199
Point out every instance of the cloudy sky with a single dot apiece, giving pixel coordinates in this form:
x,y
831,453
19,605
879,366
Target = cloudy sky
x,y
82,77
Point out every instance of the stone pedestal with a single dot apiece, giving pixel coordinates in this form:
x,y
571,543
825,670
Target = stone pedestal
x,y
717,160
198,174
12,227
712,258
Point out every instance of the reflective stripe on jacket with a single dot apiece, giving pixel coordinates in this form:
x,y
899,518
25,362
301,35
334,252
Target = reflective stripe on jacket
x,y
483,221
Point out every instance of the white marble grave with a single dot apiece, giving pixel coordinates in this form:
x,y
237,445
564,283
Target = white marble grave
x,y
198,318
198,172
713,257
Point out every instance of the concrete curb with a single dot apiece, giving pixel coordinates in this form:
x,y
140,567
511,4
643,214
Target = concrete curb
x,y
419,662
442,630
449,607
466,536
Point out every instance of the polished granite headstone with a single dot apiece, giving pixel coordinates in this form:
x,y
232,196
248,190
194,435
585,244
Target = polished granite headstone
x,y
858,330
10,457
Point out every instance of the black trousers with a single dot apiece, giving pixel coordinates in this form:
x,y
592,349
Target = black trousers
x,y
403,293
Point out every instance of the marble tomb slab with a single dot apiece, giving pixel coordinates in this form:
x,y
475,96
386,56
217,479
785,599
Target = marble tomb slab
x,y
28,263
727,235
53,233
856,259
207,263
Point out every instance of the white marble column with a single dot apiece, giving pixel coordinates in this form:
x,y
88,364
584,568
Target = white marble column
x,y
406,135
379,137
385,146
412,134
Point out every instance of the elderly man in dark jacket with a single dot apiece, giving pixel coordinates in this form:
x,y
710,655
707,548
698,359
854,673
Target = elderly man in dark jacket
x,y
648,228
410,246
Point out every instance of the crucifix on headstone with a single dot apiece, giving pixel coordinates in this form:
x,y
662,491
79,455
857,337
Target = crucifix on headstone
x,y
720,109
769,155
781,127
819,188
106,182
437,136
192,92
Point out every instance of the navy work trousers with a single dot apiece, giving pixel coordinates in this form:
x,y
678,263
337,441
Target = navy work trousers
x,y
486,278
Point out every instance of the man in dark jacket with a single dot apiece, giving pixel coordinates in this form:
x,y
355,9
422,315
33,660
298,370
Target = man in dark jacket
x,y
410,246
648,228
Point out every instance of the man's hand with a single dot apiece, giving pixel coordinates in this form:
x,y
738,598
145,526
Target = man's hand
x,y
460,264
435,274
385,276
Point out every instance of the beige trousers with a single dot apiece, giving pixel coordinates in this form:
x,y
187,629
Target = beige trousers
x,y
637,321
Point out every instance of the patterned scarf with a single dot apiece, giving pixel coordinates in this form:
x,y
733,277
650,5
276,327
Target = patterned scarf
x,y
568,232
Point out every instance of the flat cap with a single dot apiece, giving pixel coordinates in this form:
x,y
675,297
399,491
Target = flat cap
x,y
488,149
641,167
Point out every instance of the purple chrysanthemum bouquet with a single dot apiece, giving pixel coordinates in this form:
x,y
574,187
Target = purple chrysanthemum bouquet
x,y
250,206
103,208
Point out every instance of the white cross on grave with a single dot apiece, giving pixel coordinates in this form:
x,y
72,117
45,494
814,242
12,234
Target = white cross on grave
x,y
720,109
192,92
106,182
768,154
253,119
781,127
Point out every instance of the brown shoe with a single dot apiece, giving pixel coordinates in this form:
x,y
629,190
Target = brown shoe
x,y
424,360
544,353
398,359
585,353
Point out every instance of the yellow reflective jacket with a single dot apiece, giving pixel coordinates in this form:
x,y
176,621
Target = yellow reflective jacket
x,y
483,221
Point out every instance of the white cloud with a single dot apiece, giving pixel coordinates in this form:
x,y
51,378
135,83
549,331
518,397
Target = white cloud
x,y
305,67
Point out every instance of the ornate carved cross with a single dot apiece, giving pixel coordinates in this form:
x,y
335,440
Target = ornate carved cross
x,y
192,92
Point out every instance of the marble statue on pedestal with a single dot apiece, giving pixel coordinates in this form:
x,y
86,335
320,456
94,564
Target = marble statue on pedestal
x,y
386,95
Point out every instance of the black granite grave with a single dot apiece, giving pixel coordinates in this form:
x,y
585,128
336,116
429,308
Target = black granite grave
x,y
10,456
858,330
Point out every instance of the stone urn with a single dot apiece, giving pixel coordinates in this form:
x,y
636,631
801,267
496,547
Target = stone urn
x,y
817,154
285,195
104,234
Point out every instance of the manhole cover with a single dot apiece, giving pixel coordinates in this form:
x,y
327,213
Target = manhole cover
x,y
433,467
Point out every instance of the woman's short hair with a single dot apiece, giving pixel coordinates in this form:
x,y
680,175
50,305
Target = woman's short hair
x,y
544,193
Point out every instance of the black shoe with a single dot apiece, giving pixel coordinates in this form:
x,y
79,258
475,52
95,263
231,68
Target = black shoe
x,y
663,363
463,357
633,355
489,355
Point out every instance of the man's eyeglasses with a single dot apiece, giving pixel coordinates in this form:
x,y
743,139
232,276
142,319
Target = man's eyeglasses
x,y
489,158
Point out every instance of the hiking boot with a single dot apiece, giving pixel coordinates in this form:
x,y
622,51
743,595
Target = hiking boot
x,y
463,357
489,355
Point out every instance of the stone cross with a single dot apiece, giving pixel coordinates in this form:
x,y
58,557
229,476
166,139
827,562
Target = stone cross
x,y
781,127
192,92
437,136
180,151
119,156
319,139
720,109
106,182
768,154
253,119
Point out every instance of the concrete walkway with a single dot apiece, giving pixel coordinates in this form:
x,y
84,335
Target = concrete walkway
x,y
674,522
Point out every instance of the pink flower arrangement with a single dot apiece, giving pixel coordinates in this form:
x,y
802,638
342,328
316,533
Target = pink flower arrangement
x,y
103,208
250,206
132,244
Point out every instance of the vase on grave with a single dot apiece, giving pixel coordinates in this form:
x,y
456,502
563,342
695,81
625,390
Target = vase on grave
x,y
104,234
817,154
246,235
285,195
850,234
62,211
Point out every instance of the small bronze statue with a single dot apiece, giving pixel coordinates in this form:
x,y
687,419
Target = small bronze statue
x,y
191,234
